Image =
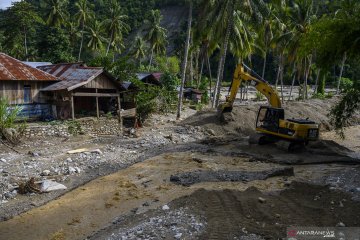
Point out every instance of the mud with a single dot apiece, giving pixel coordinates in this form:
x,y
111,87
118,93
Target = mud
x,y
190,178
231,214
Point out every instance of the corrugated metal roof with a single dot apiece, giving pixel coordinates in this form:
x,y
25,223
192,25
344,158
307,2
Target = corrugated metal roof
x,y
37,64
13,69
141,76
73,75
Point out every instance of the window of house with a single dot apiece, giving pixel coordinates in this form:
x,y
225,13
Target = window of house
x,y
27,94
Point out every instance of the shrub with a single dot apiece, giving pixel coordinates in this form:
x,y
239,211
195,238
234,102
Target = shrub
x,y
259,96
74,127
8,114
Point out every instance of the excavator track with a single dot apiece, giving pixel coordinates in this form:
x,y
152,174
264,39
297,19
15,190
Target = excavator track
x,y
264,139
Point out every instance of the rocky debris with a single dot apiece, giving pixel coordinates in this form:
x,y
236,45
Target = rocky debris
x,y
262,200
49,186
165,207
190,178
46,173
174,224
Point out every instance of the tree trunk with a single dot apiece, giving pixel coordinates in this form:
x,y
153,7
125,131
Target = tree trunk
x,y
223,57
191,70
341,73
282,82
26,48
210,74
183,73
307,77
317,80
82,41
151,59
264,66
201,70
109,45
293,81
277,77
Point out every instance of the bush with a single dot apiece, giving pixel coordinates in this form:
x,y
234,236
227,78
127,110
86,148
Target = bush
x,y
8,115
259,96
74,127
346,84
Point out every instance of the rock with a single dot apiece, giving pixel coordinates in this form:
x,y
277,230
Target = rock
x,y
211,132
33,154
68,160
97,151
3,160
340,224
178,236
71,170
165,207
341,204
49,186
77,169
262,200
277,215
45,173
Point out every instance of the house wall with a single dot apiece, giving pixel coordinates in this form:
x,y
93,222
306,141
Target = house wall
x,y
14,91
101,82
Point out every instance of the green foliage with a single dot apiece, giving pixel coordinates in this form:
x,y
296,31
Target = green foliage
x,y
146,102
169,81
8,115
259,96
168,64
345,109
54,46
74,127
346,84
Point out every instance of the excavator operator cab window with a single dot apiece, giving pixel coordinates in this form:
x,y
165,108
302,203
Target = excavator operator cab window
x,y
268,118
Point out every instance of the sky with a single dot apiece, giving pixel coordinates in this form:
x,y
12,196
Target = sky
x,y
6,3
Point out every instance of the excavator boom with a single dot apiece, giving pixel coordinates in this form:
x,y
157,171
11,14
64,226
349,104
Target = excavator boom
x,y
260,84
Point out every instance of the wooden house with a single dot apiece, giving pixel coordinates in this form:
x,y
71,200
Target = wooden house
x,y
83,90
21,85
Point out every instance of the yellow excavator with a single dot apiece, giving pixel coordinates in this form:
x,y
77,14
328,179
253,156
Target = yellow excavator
x,y
271,125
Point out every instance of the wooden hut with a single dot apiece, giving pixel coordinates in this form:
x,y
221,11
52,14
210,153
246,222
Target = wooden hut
x,y
20,84
82,90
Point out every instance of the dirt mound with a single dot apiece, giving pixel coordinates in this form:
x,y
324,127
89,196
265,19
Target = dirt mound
x,y
244,117
232,214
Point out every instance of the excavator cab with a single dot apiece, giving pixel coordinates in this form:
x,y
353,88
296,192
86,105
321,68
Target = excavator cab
x,y
268,118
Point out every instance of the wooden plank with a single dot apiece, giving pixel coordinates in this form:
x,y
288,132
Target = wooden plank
x,y
120,115
72,107
129,113
97,106
80,94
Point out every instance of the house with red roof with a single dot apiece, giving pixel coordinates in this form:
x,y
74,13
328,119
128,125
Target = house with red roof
x,y
21,84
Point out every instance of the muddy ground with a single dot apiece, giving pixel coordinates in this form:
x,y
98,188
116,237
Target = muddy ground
x,y
237,191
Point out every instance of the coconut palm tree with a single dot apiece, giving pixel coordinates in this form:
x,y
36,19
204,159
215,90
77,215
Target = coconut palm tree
x,y
95,34
83,15
138,49
156,35
56,12
184,64
116,26
231,18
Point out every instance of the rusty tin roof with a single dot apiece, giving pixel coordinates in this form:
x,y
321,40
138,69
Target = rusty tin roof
x,y
13,69
73,75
